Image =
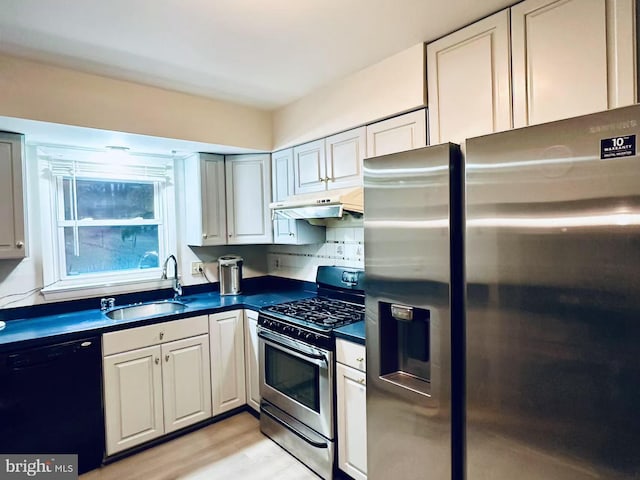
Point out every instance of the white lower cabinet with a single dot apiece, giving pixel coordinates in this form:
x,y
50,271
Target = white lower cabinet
x,y
152,388
186,384
133,398
351,392
227,360
251,364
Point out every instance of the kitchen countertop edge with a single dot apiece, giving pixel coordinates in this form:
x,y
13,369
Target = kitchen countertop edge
x,y
43,330
354,332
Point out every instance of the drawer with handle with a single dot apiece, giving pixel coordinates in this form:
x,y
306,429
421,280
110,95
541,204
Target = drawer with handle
x,y
140,337
351,354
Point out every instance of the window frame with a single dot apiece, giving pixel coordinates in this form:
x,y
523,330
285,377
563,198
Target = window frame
x,y
57,284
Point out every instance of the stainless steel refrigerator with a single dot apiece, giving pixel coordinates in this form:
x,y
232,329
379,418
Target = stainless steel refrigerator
x,y
413,262
517,356
553,301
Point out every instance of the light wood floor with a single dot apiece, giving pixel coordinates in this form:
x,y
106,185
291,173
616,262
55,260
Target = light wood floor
x,y
228,450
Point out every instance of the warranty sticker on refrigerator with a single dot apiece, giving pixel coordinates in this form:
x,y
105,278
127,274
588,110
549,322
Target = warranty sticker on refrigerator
x,y
616,147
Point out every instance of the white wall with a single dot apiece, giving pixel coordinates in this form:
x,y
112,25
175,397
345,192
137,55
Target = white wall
x,y
39,91
394,85
344,246
42,92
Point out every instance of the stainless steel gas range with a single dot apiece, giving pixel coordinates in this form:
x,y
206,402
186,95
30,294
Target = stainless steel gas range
x,y
297,369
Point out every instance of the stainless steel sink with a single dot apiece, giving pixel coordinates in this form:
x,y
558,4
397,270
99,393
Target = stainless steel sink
x,y
142,310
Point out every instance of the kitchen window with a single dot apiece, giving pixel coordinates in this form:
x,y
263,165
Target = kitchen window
x,y
107,222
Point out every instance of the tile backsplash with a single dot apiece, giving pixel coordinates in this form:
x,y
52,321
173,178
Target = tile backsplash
x,y
344,246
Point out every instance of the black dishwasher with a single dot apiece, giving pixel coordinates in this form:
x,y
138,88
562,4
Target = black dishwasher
x,y
51,401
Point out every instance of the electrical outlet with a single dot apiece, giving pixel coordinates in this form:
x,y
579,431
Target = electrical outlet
x,y
197,268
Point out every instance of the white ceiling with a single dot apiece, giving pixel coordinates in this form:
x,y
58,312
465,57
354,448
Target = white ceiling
x,y
264,53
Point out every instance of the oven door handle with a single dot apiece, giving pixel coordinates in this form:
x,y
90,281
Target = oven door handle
x,y
273,339
295,431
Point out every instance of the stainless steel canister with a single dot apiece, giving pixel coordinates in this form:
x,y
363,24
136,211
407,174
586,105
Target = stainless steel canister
x,y
230,274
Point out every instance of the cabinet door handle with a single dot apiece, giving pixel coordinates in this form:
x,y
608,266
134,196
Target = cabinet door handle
x,y
166,357
161,335
19,244
361,381
204,235
360,359
157,360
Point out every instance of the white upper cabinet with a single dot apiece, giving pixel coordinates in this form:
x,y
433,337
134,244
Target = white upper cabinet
x,y
397,134
282,174
469,81
12,233
329,163
344,154
248,181
206,211
281,188
309,167
287,231
227,199
571,57
568,58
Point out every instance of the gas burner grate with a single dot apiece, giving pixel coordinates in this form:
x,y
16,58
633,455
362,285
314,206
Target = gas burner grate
x,y
321,311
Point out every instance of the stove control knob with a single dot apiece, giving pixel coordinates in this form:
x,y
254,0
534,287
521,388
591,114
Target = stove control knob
x,y
308,336
286,328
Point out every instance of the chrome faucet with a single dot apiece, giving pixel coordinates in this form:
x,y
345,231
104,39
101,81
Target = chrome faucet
x,y
177,288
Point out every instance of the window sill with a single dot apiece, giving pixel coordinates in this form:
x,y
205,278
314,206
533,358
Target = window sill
x,y
58,292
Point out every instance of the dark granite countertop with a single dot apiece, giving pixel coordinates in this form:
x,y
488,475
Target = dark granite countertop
x,y
32,330
354,332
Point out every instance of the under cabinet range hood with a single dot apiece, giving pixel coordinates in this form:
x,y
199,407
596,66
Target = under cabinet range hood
x,y
319,205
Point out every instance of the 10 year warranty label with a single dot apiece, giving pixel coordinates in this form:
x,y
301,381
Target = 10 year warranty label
x,y
617,147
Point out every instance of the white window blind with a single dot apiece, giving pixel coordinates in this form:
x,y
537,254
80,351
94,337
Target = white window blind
x,y
110,215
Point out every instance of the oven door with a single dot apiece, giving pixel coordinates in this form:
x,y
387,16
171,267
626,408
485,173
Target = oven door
x,y
298,379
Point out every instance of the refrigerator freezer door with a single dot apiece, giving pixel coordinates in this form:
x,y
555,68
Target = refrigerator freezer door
x,y
408,311
553,303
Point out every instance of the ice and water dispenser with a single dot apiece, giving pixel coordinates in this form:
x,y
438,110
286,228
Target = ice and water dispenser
x,y
405,346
